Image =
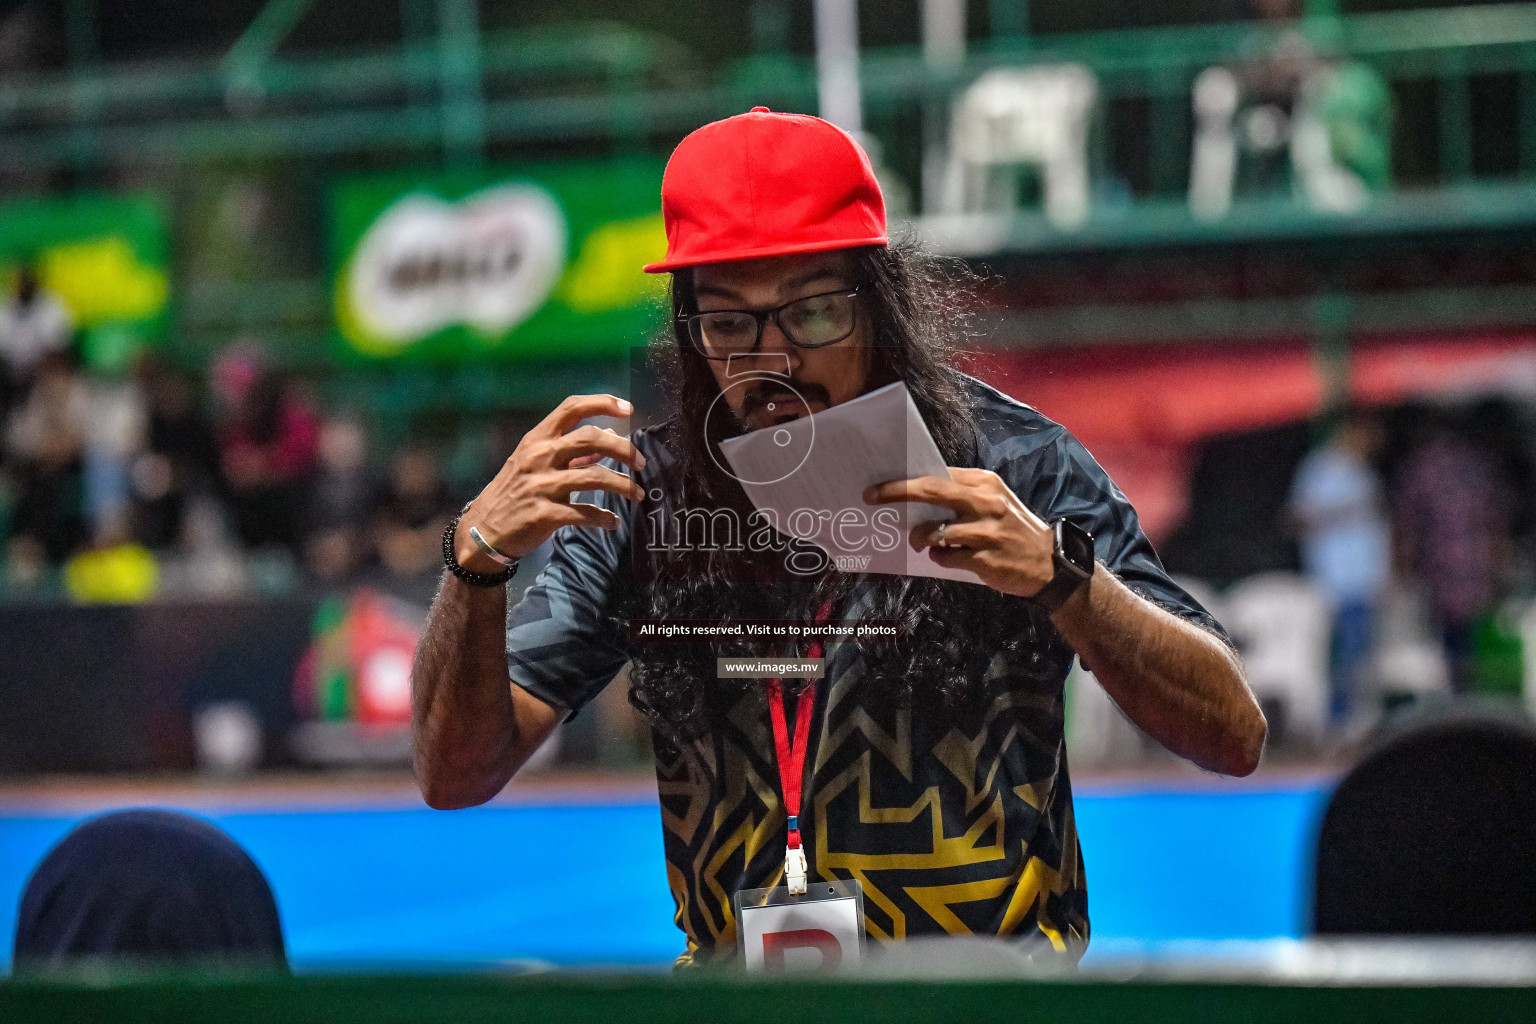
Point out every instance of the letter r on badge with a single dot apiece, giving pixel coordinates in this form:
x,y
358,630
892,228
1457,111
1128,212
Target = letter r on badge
x,y
776,944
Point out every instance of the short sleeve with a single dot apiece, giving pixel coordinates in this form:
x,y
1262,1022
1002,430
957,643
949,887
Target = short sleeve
x,y
564,641
1059,479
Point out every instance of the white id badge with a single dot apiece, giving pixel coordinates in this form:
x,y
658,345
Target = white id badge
x,y
821,930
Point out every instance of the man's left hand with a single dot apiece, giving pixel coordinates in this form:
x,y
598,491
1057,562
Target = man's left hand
x,y
995,535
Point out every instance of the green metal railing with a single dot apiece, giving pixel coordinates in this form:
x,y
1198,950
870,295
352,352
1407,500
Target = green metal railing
x,y
450,92
1447,46
605,82
423,94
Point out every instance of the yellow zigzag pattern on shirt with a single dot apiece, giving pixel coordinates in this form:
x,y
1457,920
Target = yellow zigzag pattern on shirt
x,y
1030,880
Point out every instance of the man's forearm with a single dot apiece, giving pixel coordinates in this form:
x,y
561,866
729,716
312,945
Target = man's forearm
x,y
1178,682
471,727
464,721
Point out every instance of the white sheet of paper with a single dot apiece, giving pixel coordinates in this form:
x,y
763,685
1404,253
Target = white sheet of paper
x,y
809,475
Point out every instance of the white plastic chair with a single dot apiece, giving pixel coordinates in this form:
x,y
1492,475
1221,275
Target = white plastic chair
x,y
1283,625
1022,117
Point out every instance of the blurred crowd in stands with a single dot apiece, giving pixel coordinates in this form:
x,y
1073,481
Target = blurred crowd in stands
x,y
1448,524
1412,533
1415,581
153,482
1421,544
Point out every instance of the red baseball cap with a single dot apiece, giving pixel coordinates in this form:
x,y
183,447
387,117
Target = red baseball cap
x,y
766,184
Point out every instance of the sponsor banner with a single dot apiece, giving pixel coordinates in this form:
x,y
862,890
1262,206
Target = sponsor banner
x,y
105,257
519,264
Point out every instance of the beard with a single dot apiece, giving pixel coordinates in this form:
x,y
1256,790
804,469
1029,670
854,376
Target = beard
x,y
771,401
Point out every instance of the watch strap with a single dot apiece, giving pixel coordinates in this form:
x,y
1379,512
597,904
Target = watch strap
x,y
1062,586
1068,580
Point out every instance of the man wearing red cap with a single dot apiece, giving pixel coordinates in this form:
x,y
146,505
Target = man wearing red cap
x,y
930,771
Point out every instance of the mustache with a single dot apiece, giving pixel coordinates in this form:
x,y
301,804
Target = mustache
x,y
760,393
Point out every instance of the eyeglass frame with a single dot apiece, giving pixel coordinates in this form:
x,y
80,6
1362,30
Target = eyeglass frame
x,y
763,316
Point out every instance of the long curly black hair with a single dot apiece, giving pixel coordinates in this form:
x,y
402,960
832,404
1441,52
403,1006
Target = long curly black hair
x,y
950,631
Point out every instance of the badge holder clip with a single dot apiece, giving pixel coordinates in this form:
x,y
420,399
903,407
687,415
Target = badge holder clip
x,y
795,870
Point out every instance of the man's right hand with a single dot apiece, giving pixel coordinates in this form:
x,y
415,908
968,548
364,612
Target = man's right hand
x,y
530,498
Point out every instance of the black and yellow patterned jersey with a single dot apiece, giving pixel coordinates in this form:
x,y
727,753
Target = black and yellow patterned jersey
x,y
963,827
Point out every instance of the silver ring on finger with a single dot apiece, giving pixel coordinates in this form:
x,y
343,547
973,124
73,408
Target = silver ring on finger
x,y
942,542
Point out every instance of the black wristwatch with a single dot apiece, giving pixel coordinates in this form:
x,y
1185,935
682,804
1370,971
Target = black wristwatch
x,y
1074,565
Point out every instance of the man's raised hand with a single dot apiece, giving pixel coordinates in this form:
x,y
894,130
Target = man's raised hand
x,y
996,536
529,499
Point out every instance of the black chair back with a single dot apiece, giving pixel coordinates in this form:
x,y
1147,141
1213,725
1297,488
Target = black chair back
x,y
1434,833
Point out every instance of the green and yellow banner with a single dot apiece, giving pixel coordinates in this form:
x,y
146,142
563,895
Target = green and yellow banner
x,y
534,263
105,257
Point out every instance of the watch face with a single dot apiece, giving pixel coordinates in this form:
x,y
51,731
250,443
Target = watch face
x,y
1076,545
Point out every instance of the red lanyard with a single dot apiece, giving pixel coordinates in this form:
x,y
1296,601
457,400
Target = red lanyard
x,y
790,751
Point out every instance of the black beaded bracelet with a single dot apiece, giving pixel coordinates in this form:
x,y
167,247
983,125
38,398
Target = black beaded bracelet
x,y
451,561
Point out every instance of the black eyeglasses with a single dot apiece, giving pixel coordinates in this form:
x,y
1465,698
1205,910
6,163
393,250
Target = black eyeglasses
x,y
814,321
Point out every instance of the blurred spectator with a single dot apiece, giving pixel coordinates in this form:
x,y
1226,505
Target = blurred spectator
x,y
1285,119
1494,426
340,498
267,444
1244,113
206,562
116,429
180,457
415,509
1274,71
1338,506
45,442
1453,516
33,325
